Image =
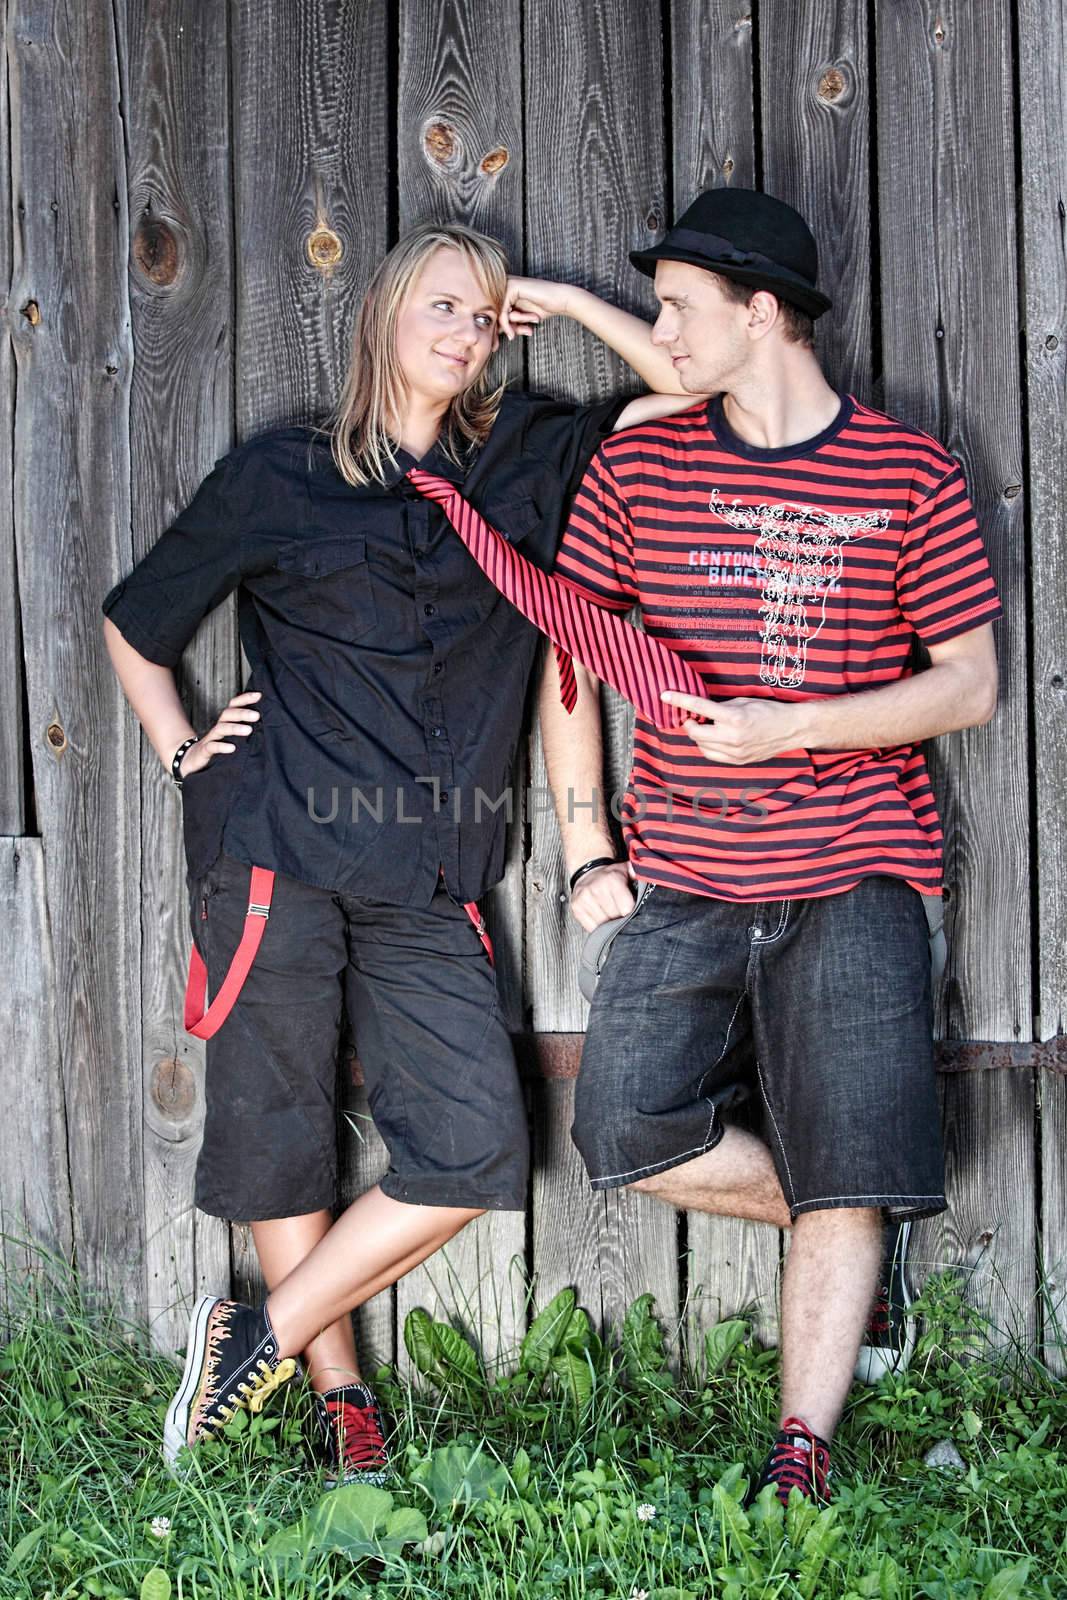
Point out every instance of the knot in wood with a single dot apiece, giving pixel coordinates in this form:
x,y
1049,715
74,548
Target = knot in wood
x,y
56,736
32,312
439,141
832,84
155,250
495,161
173,1089
728,166
939,31
1052,343
324,247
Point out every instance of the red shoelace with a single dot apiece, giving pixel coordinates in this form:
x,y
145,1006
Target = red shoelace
x,y
878,1321
800,1460
357,1432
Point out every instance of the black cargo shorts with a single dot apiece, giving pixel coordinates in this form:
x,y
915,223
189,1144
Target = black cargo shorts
x,y
421,998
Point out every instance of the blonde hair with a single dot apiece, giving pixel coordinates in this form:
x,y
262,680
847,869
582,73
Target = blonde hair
x,y
374,388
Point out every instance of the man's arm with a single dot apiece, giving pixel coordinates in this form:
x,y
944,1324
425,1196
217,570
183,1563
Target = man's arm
x,y
957,690
529,301
575,760
647,407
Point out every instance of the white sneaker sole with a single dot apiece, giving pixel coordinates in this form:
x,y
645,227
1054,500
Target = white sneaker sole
x,y
874,1362
176,1425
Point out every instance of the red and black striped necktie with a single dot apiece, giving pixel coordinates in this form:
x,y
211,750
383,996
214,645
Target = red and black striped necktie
x,y
638,666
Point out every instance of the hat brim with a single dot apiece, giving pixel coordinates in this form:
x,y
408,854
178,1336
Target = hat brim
x,y
812,301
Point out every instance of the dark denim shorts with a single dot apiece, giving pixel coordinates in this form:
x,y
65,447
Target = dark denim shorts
x,y
808,1020
420,995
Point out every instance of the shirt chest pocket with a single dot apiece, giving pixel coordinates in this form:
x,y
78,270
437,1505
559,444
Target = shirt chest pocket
x,y
329,589
474,598
513,515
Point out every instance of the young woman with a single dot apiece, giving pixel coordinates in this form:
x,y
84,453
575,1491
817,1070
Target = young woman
x,y
365,765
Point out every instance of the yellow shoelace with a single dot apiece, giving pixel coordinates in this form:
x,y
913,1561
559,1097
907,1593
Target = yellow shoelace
x,y
250,1396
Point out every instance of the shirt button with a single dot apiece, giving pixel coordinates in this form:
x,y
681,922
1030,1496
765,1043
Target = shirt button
x,y
444,797
438,666
436,732
757,933
420,552
430,610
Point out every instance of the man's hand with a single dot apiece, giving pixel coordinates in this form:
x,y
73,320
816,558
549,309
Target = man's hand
x,y
528,301
957,690
602,894
741,731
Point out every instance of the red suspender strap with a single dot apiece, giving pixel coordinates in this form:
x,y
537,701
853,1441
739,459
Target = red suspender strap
x,y
471,908
477,922
203,1023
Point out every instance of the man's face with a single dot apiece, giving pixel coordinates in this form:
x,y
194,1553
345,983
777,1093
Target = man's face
x,y
703,332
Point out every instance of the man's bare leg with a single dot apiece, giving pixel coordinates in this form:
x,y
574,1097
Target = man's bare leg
x,y
831,1274
736,1179
372,1244
282,1244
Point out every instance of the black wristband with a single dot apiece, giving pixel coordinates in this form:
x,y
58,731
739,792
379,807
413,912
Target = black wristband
x,y
175,766
589,866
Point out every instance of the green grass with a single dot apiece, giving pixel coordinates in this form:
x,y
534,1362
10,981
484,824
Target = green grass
x,y
590,1473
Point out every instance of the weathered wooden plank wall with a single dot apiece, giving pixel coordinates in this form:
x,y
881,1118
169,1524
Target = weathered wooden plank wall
x,y
197,197
174,84
1042,194
68,322
13,818
950,344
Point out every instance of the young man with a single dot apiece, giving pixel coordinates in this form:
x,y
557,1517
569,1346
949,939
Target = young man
x,y
788,541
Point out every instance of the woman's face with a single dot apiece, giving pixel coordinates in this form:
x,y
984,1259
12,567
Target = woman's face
x,y
446,328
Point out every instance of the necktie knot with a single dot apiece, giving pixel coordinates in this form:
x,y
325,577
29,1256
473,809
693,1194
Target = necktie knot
x,y
433,487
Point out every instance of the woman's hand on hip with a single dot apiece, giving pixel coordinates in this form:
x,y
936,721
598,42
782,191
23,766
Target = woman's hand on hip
x,y
235,721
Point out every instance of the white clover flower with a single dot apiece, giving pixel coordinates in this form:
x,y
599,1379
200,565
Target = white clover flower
x,y
638,1594
159,1527
645,1513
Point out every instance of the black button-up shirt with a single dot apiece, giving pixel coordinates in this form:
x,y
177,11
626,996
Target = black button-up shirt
x,y
392,673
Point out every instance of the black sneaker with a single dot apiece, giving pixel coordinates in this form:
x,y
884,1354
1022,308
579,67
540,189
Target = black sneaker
x,y
351,1444
231,1365
798,1459
890,1336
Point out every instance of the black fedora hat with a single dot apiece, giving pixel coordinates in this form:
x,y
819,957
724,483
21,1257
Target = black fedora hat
x,y
748,236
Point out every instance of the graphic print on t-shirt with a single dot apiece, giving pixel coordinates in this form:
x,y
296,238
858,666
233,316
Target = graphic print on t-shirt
x,y
799,553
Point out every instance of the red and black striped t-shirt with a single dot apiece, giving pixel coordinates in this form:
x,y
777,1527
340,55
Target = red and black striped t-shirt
x,y
791,573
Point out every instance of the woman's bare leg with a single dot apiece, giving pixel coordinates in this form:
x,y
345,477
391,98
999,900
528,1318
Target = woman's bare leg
x,y
375,1242
282,1244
